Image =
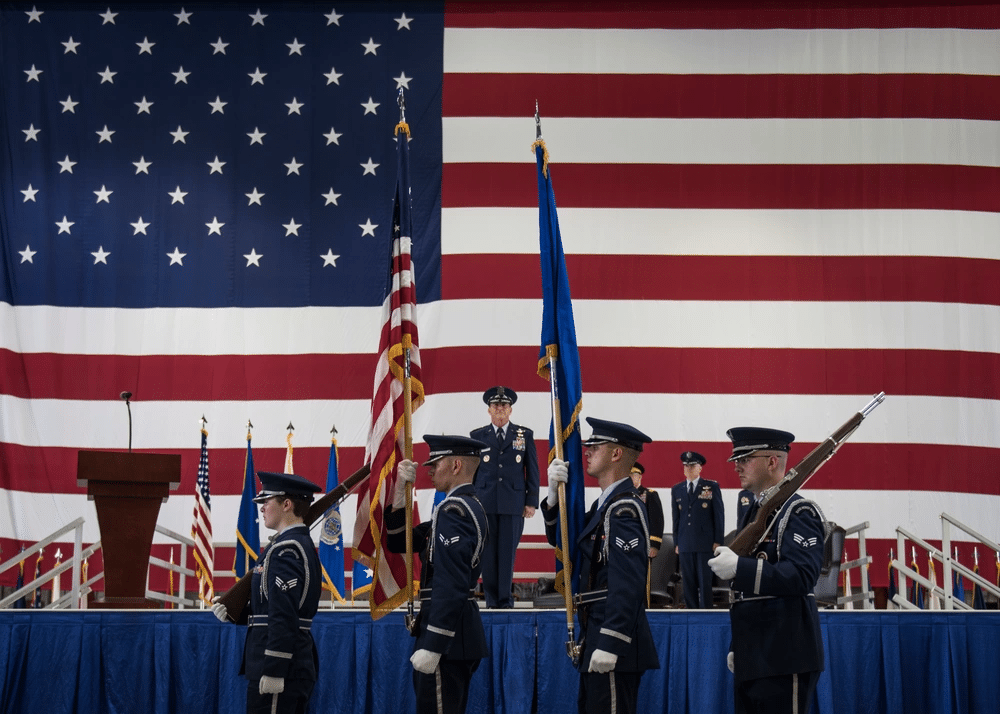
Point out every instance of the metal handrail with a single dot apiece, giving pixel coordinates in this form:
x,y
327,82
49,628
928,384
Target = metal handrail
x,y
74,591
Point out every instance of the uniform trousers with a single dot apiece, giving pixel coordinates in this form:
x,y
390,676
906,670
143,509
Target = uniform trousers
x,y
784,694
446,690
697,579
498,558
609,692
294,701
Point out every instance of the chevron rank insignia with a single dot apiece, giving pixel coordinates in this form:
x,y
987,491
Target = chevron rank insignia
x,y
627,545
447,541
805,542
286,586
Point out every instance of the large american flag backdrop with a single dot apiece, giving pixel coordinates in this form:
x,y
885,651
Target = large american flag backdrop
x,y
768,216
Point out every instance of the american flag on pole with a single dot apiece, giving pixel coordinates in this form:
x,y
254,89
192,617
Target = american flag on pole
x,y
201,528
398,360
769,213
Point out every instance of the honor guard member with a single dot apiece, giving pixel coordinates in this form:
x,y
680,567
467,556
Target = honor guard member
x,y
699,526
776,653
507,486
279,657
449,630
744,500
654,509
615,640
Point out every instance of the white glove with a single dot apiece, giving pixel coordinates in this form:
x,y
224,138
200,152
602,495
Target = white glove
x,y
724,563
558,473
729,662
602,661
425,661
406,473
219,610
272,685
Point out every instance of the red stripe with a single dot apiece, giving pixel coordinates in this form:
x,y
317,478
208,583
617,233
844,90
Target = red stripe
x,y
956,188
974,375
725,277
884,467
724,96
186,377
719,14
609,370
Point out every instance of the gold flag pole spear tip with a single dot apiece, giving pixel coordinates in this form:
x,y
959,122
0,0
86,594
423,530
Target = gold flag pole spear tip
x,y
540,142
402,126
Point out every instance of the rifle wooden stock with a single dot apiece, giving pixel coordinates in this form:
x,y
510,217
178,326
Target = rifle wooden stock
x,y
775,497
238,596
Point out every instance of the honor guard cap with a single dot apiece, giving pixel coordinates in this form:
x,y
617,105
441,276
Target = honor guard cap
x,y
499,395
748,439
638,468
442,446
290,485
616,433
692,457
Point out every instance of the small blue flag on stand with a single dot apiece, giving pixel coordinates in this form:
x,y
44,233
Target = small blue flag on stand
x,y
247,529
331,539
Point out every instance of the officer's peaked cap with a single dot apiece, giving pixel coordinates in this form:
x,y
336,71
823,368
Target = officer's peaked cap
x,y
442,446
616,433
748,439
290,485
499,395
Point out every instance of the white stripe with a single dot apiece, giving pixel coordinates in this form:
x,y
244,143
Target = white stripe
x,y
738,325
725,232
687,323
186,331
34,516
739,51
665,417
724,141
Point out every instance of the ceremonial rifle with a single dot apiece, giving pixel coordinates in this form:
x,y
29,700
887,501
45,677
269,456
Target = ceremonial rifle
x,y
237,597
774,498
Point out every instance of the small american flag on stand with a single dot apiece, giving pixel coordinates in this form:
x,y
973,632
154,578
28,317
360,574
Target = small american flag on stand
x,y
201,529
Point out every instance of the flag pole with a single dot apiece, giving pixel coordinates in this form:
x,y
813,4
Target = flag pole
x,y
572,648
410,619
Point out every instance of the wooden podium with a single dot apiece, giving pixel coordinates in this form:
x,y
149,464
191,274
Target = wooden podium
x,y
127,490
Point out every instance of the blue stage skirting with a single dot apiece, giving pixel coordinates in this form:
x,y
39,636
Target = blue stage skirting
x,y
165,662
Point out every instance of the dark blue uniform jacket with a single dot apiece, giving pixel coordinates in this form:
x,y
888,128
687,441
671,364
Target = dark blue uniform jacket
x,y
774,619
614,558
284,596
449,545
699,521
507,479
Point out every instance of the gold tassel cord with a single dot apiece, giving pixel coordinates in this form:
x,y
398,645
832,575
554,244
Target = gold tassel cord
x,y
545,156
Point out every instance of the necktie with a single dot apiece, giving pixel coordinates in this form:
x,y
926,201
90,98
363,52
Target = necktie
x,y
500,435
691,488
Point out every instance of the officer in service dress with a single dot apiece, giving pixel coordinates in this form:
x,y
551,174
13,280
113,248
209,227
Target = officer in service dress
x,y
507,486
449,629
279,656
654,509
616,643
699,526
776,653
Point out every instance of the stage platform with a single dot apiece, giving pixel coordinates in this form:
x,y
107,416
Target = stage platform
x,y
163,662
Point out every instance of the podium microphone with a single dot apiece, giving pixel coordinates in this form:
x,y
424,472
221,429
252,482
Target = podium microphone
x,y
126,396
